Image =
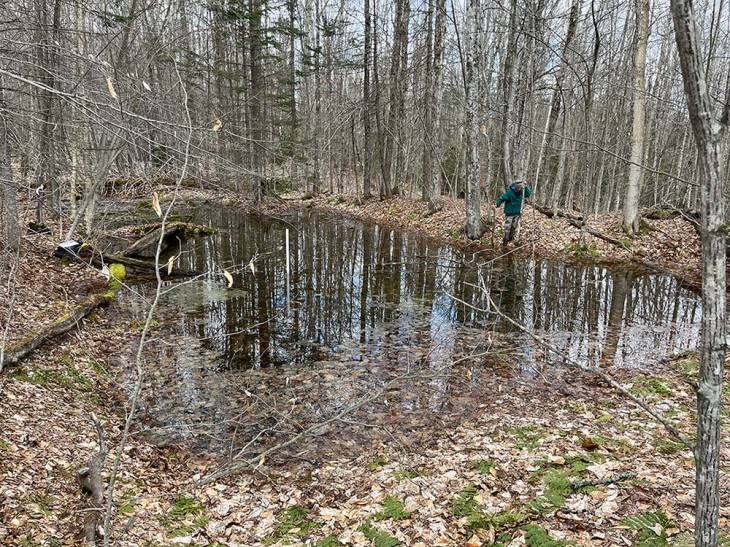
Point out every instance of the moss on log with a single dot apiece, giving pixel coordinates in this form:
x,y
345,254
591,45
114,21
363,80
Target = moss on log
x,y
12,355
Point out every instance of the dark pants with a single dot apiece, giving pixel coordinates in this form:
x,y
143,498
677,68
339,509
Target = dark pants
x,y
511,228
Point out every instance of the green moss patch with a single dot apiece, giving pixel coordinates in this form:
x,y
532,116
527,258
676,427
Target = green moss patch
x,y
292,523
185,517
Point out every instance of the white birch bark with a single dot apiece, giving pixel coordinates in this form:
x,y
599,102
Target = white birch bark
x,y
630,222
472,131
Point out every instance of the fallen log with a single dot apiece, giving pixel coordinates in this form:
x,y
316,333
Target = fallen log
x,y
578,221
146,246
550,213
596,233
153,235
144,265
11,356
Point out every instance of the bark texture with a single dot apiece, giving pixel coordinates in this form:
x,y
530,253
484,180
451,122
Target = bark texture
x,y
708,132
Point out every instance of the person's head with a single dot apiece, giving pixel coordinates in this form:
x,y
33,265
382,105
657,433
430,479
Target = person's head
x,y
519,185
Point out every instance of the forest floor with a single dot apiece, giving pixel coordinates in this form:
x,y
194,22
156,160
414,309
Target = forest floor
x,y
503,477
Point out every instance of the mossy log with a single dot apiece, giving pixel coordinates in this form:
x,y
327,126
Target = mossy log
x,y
146,246
65,323
139,264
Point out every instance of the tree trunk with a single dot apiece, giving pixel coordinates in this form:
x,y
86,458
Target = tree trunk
x,y
508,90
630,223
708,132
47,63
432,105
367,132
255,45
11,221
472,129
557,93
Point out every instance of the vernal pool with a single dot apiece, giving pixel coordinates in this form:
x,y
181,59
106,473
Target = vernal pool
x,y
373,317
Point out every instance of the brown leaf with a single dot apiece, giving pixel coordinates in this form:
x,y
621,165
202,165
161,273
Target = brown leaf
x,y
156,204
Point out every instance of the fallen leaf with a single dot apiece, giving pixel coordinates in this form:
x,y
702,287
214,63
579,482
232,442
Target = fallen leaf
x,y
156,204
110,87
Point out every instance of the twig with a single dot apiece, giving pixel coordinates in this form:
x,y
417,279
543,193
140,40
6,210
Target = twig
x,y
137,391
623,476
234,467
570,363
89,479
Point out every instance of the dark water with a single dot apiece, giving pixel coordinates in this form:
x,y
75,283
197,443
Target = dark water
x,y
243,366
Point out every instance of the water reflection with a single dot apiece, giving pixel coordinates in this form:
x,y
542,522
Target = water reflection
x,y
360,289
376,302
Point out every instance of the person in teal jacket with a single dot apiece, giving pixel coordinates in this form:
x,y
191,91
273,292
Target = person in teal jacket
x,y
513,200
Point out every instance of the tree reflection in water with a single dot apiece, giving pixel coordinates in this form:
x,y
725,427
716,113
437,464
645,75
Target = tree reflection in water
x,y
368,303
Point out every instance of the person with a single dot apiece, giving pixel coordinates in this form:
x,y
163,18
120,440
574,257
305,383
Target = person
x,y
513,200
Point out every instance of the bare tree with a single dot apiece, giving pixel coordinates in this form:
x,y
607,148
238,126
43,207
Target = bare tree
x,y
400,81
10,221
709,131
367,102
472,126
435,28
631,217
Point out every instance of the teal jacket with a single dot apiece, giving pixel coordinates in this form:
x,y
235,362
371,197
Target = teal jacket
x,y
512,200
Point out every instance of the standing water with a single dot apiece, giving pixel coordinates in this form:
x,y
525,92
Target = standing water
x,y
374,315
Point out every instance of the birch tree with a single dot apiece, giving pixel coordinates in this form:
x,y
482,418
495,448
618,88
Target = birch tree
x,y
709,131
471,129
630,223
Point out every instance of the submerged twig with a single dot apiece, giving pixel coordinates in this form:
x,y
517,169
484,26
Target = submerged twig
x,y
234,467
570,363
